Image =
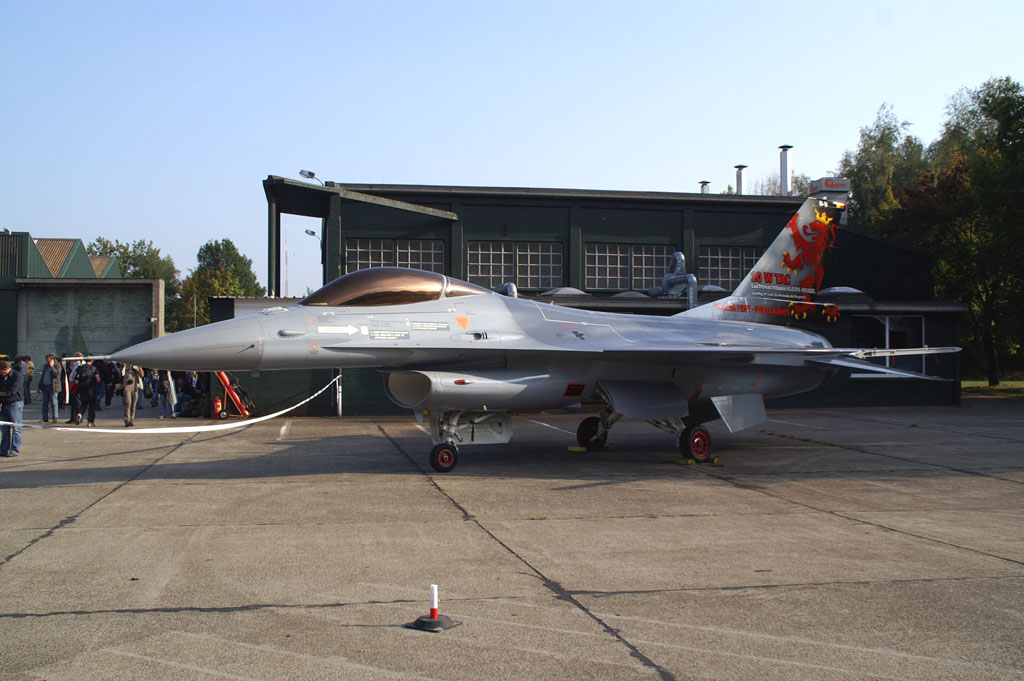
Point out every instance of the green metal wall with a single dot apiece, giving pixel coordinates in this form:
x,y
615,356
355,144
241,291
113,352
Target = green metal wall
x,y
8,306
573,222
362,393
91,320
273,391
20,258
883,270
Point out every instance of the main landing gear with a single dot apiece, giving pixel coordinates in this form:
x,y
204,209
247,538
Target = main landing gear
x,y
694,440
452,428
695,443
593,430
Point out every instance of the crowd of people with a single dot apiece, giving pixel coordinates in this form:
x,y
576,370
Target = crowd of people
x,y
84,386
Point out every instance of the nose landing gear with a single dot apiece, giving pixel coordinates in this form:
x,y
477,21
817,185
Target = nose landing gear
x,y
443,457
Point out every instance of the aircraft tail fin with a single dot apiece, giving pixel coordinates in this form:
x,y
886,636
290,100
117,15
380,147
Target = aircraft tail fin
x,y
782,284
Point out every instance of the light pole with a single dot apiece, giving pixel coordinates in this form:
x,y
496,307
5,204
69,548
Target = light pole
x,y
310,175
323,255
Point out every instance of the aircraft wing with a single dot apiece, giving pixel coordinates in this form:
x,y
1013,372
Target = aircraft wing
x,y
851,358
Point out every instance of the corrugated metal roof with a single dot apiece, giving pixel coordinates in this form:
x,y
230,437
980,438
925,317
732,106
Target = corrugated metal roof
x,y
99,263
55,252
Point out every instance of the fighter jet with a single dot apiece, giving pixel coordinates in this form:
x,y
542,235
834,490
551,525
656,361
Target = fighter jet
x,y
465,358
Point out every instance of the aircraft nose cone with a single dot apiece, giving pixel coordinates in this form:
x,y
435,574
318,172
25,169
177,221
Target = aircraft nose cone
x,y
231,345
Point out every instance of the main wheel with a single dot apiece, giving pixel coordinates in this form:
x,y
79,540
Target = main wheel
x,y
586,434
443,457
223,414
695,443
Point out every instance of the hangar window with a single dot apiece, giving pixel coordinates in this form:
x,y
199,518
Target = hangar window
x,y
527,264
621,267
726,266
421,254
539,265
887,331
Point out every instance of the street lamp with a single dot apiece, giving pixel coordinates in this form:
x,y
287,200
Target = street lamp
x,y
314,234
310,175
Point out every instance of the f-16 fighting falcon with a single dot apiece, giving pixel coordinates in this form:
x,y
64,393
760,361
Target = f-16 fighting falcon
x,y
465,357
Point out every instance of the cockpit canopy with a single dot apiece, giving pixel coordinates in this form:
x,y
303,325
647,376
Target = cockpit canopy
x,y
390,286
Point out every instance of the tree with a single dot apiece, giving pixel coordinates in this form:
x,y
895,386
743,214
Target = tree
x,y
139,260
221,271
192,307
771,186
887,159
223,255
967,212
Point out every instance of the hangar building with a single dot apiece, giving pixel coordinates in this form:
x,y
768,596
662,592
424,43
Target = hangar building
x,y
54,297
603,250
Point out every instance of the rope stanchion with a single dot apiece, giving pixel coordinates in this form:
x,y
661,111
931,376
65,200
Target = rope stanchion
x,y
179,429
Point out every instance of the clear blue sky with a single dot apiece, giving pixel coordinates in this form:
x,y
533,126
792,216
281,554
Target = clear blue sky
x,y
158,121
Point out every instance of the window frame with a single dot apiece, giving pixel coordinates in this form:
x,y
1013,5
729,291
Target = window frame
x,y
515,251
635,268
888,332
747,262
398,253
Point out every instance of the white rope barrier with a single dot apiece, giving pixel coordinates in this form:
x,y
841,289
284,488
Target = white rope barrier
x,y
178,429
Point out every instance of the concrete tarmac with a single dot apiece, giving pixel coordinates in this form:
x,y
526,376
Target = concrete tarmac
x,y
829,544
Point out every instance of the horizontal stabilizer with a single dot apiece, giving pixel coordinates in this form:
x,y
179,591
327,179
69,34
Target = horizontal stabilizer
x,y
902,352
862,365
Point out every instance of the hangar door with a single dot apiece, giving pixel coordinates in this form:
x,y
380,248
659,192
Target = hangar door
x,y
83,318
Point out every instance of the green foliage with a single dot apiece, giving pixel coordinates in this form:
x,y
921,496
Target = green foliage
x,y
221,271
139,260
967,210
223,255
192,307
887,159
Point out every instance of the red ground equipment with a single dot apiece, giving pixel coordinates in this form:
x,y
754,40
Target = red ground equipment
x,y
233,396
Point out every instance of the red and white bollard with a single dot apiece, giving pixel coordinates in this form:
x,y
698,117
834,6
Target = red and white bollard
x,y
434,621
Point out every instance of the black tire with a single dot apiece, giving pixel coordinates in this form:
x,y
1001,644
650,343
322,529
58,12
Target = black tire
x,y
695,443
586,434
223,414
443,457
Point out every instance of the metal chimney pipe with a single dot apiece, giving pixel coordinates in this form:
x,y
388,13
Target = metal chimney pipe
x,y
739,178
704,189
784,169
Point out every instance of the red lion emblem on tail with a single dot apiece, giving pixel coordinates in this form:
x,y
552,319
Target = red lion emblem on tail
x,y
812,240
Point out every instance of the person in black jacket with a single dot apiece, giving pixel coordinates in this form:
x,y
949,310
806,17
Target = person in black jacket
x,y
88,378
12,397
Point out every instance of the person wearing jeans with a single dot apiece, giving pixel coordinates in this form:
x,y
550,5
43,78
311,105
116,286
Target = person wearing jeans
x,y
50,385
12,397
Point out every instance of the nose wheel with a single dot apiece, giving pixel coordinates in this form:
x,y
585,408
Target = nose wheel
x,y
443,457
695,443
